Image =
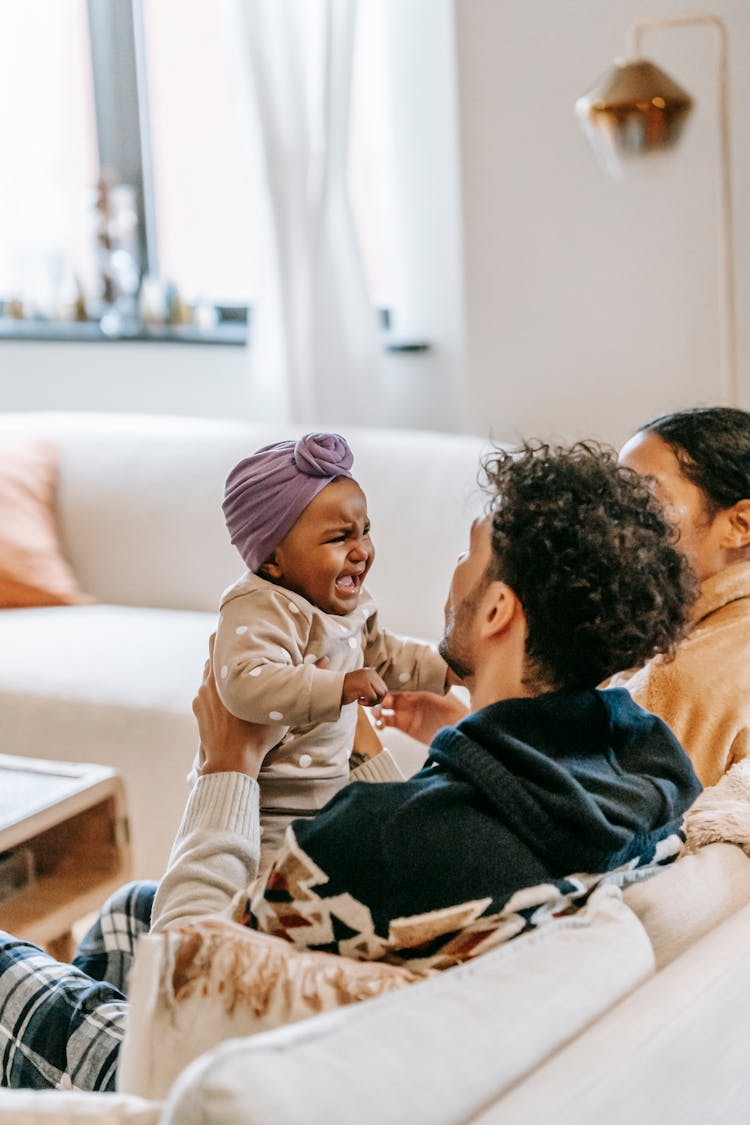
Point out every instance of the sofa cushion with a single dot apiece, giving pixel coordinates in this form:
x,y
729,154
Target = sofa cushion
x,y
33,570
72,1107
690,898
113,685
435,1051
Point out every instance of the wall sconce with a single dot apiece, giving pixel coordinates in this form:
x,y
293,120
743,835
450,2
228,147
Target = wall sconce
x,y
636,109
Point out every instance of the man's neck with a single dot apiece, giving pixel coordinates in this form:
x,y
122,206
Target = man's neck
x,y
488,689
500,664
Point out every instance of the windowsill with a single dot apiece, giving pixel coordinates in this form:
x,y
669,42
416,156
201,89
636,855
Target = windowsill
x,y
79,332
233,334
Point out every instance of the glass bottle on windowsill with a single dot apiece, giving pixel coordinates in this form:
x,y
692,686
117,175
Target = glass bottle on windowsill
x,y
116,237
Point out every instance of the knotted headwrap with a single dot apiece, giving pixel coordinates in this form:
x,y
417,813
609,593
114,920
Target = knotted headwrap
x,y
267,493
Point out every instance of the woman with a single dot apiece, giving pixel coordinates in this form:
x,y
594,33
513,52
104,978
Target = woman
x,y
699,462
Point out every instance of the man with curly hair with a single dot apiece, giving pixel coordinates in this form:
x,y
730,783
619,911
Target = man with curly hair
x,y
572,574
697,462
546,788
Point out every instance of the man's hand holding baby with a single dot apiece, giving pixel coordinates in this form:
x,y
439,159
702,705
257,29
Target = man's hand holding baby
x,y
363,686
228,744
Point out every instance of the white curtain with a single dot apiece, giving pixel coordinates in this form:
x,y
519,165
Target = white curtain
x,y
315,346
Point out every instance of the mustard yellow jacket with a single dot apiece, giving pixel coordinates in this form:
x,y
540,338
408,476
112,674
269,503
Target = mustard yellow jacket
x,y
704,693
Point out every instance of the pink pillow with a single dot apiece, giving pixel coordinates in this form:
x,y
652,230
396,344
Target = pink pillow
x,y
33,569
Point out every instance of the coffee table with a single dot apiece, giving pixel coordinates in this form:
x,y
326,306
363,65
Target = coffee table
x,y
64,824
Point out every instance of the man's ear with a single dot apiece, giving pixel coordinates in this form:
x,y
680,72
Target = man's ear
x,y
737,534
498,609
271,568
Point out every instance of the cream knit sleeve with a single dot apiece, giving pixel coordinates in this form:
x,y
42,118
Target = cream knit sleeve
x,y
215,852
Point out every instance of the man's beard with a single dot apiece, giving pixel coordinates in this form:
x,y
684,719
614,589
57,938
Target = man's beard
x,y
455,646
454,660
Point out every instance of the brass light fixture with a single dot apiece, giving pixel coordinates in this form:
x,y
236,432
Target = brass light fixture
x,y
636,109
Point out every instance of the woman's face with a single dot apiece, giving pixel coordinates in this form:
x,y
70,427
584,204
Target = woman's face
x,y
701,534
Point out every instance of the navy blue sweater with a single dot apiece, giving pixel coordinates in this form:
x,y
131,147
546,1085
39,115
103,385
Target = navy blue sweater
x,y
524,792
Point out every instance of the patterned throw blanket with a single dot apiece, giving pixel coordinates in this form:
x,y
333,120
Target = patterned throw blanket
x,y
340,924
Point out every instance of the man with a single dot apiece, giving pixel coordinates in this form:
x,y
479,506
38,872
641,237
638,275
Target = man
x,y
545,788
697,463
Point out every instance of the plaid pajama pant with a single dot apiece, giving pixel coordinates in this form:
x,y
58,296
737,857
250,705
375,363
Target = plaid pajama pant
x,y
61,1026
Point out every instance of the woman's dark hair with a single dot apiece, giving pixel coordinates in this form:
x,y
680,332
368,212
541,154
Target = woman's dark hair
x,y
712,446
591,556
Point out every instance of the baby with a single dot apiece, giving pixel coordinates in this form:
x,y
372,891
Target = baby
x,y
299,521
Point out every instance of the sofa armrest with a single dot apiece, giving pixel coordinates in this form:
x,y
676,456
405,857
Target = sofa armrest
x,y
687,900
675,1050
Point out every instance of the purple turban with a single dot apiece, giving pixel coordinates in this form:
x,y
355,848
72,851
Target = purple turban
x,y
267,493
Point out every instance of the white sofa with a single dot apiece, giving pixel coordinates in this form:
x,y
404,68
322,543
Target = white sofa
x,y
595,1017
140,521
636,1010
569,1024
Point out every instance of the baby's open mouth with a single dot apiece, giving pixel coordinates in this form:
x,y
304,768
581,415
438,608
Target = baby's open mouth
x,y
348,584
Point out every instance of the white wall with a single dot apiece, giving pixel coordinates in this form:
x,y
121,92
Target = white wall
x,y
201,380
560,303
591,305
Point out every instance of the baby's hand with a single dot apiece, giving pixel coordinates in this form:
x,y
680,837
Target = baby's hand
x,y
420,714
363,686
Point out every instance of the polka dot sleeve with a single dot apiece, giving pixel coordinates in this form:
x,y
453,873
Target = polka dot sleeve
x,y
262,666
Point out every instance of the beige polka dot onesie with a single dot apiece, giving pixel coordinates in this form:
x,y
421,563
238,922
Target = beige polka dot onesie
x,y
267,644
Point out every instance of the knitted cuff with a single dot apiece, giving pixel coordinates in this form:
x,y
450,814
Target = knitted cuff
x,y
226,802
380,768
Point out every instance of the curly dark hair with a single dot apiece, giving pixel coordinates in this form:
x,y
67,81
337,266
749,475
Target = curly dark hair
x,y
712,446
590,554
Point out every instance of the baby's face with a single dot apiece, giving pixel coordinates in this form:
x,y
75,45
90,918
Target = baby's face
x,y
328,552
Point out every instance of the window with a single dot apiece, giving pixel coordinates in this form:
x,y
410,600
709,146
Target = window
x,y
48,158
142,88
206,217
